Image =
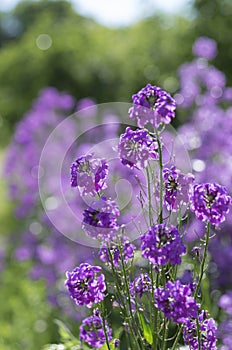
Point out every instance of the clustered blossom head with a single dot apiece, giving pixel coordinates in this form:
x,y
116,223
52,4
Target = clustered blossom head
x,y
152,105
225,333
142,284
225,302
205,47
210,202
23,154
89,174
92,330
176,187
175,301
100,219
85,285
208,333
162,244
127,251
137,147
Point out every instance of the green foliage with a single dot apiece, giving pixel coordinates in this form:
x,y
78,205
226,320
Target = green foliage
x,y
147,332
68,341
65,333
214,19
26,319
85,59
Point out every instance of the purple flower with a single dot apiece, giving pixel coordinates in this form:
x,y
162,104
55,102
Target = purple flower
x,y
187,278
116,343
176,188
210,202
225,302
152,105
92,330
207,329
175,301
127,251
137,147
100,219
86,108
142,284
162,245
205,47
85,285
89,174
24,152
225,333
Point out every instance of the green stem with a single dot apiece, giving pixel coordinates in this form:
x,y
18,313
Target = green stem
x,y
203,260
104,325
177,338
161,176
128,297
121,300
149,197
155,332
165,333
153,322
198,335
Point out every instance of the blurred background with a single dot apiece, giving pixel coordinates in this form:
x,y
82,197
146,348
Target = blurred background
x,y
57,57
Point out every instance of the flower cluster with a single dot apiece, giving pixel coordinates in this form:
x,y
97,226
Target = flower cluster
x,y
168,297
162,245
208,333
141,284
205,47
225,333
100,219
89,174
175,301
176,187
92,330
85,285
210,202
137,147
225,302
23,154
152,105
112,251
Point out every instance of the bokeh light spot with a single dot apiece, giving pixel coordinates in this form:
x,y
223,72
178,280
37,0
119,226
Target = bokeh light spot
x,y
44,42
198,165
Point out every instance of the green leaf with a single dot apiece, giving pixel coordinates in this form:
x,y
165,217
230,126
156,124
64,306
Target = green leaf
x,y
65,333
147,332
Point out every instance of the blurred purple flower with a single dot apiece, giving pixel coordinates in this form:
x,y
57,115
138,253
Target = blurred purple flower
x,y
205,47
225,302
